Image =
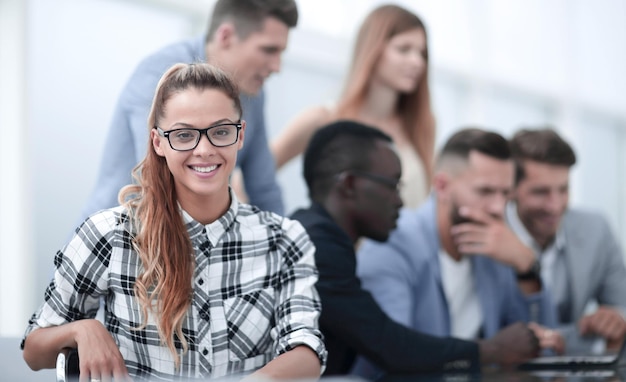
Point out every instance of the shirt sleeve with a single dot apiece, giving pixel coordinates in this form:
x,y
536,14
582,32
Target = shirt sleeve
x,y
298,306
127,137
536,307
256,161
385,273
80,277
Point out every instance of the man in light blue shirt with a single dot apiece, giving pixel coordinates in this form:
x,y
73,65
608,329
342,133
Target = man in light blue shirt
x,y
245,38
449,268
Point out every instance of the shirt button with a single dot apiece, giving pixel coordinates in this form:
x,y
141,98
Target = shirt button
x,y
205,351
204,315
200,281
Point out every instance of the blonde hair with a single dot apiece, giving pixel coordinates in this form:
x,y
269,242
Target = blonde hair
x,y
414,108
161,240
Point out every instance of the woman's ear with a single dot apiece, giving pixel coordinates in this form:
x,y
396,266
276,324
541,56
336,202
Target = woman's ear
x,y
157,142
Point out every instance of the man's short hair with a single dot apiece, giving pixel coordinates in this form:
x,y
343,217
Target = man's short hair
x,y
248,15
459,146
338,147
540,145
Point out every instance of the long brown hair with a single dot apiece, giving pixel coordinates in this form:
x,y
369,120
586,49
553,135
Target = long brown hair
x,y
161,240
414,108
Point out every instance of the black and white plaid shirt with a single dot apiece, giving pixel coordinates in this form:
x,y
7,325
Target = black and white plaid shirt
x,y
254,295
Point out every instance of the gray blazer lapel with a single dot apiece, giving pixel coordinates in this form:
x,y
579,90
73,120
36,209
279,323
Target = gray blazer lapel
x,y
579,262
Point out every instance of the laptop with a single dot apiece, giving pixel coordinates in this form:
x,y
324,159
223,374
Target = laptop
x,y
578,361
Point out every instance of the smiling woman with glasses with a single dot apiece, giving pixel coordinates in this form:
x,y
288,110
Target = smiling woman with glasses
x,y
220,135
195,284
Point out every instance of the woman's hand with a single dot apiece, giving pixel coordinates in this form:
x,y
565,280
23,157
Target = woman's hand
x,y
99,356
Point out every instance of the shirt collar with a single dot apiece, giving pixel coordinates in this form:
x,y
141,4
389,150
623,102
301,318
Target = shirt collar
x,y
216,229
520,230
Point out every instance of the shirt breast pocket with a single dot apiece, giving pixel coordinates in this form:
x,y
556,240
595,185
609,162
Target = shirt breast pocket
x,y
250,320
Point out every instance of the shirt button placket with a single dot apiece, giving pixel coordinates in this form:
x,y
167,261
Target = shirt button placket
x,y
203,322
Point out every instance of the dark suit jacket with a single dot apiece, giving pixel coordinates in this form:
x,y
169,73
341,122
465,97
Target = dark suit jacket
x,y
353,323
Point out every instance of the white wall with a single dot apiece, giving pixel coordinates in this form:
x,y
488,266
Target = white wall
x,y
494,64
74,58
80,54
15,245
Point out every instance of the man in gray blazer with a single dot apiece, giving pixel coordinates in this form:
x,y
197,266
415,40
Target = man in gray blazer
x,y
578,258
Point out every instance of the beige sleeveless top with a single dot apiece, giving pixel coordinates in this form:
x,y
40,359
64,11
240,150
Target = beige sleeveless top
x,y
414,190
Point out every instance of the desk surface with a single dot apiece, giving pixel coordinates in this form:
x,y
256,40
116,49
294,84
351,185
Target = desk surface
x,y
13,368
616,374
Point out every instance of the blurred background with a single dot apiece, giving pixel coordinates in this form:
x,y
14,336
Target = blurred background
x,y
496,64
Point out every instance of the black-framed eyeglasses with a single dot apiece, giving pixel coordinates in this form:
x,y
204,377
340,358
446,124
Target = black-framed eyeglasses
x,y
221,135
391,183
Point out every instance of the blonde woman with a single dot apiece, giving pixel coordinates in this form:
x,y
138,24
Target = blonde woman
x,y
195,283
387,87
